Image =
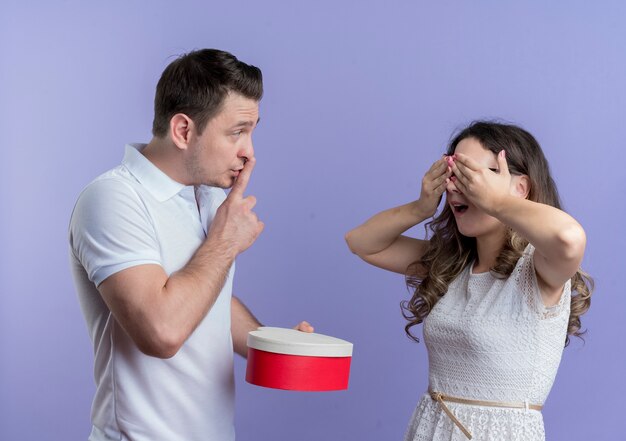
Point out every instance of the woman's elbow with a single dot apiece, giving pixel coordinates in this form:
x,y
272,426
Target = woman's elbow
x,y
573,240
350,241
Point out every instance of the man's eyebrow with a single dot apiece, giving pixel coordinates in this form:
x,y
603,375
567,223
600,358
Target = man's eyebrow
x,y
245,123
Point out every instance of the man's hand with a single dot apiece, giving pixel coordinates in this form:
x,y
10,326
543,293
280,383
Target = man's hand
x,y
235,223
304,327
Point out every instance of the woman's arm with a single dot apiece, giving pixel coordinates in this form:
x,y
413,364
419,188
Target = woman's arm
x,y
380,242
558,238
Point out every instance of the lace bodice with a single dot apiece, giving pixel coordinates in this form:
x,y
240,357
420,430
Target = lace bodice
x,y
493,339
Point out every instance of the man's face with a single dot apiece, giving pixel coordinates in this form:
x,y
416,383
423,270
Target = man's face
x,y
216,156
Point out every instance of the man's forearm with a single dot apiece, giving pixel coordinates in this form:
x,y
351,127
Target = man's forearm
x,y
242,322
159,312
190,292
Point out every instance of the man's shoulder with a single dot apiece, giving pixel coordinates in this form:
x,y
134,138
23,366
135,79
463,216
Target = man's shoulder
x,y
114,192
112,184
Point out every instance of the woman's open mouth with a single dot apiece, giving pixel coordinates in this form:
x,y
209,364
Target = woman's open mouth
x,y
459,208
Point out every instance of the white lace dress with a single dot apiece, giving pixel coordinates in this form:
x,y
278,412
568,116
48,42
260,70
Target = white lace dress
x,y
493,340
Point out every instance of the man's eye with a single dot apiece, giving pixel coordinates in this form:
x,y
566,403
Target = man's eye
x,y
238,132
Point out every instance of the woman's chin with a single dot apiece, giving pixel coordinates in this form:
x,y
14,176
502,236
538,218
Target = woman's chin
x,y
468,232
477,229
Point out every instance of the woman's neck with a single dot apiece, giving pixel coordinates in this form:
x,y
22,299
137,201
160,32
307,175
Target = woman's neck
x,y
488,248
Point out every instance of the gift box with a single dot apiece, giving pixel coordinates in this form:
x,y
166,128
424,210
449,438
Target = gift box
x,y
293,360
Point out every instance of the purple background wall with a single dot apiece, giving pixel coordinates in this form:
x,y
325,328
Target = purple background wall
x,y
360,99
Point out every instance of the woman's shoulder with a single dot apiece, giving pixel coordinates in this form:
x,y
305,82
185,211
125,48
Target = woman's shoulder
x,y
524,278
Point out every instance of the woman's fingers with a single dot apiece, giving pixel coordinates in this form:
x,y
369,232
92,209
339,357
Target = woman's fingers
x,y
437,168
460,185
467,162
441,187
442,178
461,172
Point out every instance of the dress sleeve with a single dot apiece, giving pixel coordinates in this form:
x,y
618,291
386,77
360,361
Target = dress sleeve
x,y
111,230
526,279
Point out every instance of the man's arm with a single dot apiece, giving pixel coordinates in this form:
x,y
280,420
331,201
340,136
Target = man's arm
x,y
160,312
242,322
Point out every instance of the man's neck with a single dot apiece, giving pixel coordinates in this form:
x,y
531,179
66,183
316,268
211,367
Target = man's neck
x,y
166,157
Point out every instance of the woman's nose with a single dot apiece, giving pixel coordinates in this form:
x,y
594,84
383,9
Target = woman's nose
x,y
451,186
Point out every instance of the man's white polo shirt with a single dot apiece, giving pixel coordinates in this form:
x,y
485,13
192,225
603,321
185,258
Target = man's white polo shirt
x,y
131,215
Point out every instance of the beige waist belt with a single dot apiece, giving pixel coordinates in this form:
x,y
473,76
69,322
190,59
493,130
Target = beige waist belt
x,y
440,398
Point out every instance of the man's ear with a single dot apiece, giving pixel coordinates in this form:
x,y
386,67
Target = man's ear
x,y
181,130
520,185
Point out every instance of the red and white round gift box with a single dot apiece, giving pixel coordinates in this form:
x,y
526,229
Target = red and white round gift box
x,y
288,359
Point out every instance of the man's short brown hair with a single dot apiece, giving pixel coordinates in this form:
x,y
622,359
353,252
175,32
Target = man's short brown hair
x,y
197,83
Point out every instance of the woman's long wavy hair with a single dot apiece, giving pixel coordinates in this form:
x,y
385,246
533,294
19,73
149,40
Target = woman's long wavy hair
x,y
449,252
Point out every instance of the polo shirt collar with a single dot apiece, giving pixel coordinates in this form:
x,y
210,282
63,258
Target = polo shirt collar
x,y
160,185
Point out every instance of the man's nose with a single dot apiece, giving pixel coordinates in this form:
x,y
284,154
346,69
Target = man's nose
x,y
247,151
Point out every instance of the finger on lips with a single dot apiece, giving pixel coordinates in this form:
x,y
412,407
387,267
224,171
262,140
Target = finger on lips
x,y
244,177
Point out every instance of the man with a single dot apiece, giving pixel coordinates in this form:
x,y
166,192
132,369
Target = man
x,y
153,244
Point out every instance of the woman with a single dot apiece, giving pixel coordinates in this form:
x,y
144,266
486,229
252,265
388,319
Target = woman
x,y
498,285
